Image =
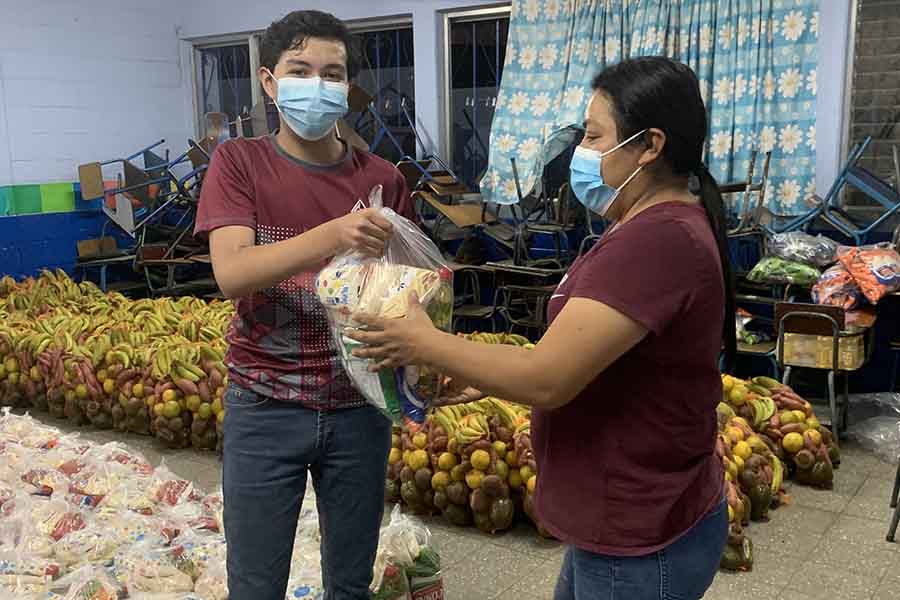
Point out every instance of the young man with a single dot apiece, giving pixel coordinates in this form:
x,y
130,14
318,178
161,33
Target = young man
x,y
277,208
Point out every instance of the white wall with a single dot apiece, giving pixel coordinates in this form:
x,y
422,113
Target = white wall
x,y
834,32
201,18
86,80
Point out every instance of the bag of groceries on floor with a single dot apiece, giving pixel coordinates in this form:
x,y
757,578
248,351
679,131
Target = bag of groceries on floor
x,y
352,284
406,566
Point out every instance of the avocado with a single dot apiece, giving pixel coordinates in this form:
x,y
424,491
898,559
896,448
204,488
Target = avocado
x,y
738,558
502,513
760,499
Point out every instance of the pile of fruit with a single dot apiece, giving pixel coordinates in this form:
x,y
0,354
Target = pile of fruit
x,y
152,367
472,463
767,433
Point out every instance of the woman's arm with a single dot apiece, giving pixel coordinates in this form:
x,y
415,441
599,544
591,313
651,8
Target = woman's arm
x,y
584,339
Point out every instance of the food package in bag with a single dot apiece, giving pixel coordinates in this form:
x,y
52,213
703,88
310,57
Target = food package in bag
x,y
351,284
406,565
837,287
876,269
88,583
798,246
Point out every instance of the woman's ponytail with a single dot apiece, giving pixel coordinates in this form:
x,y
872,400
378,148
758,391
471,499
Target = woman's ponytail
x,y
702,183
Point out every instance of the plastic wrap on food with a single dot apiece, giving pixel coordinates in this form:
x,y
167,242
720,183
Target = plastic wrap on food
x,y
797,246
876,269
352,284
95,543
132,493
144,567
117,453
46,481
213,583
56,518
169,489
88,583
25,573
773,269
837,287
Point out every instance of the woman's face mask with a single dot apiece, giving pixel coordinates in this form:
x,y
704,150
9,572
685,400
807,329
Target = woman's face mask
x,y
586,177
310,105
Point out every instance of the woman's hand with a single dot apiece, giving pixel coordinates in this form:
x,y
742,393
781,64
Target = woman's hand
x,y
392,343
455,393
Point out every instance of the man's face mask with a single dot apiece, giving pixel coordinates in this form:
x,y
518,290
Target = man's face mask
x,y
311,106
586,177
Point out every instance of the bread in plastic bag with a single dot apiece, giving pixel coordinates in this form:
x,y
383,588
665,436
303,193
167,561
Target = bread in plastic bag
x,y
351,284
876,269
773,269
798,246
837,287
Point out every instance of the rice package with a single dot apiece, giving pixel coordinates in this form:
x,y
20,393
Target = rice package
x,y
351,284
876,269
837,287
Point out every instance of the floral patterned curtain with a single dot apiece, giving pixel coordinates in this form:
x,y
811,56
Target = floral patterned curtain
x,y
756,61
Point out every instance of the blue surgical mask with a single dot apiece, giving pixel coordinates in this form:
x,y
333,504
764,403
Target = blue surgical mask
x,y
310,105
586,177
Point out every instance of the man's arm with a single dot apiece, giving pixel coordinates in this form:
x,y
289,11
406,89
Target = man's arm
x,y
242,268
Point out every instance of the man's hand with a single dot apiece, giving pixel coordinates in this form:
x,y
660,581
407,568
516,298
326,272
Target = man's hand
x,y
365,231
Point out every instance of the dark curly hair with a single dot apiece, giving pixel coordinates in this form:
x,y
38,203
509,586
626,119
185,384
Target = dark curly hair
x,y
291,32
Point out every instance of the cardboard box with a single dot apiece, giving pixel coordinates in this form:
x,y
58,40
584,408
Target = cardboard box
x,y
815,351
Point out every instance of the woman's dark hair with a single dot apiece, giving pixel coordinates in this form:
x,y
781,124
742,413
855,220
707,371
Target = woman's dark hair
x,y
656,92
292,31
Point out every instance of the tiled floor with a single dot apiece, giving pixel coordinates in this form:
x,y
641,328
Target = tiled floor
x,y
826,544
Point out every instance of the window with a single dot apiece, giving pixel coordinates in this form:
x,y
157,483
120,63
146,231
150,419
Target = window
x,y
224,76
875,94
387,75
475,51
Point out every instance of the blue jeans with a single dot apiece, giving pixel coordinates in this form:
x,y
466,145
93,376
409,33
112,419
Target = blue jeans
x,y
269,448
683,570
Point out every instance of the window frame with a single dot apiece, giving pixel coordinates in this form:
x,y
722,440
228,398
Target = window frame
x,y
233,39
448,19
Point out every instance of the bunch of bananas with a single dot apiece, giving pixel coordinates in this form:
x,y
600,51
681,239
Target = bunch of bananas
x,y
471,462
148,366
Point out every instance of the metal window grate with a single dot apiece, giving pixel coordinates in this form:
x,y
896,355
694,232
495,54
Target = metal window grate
x,y
875,93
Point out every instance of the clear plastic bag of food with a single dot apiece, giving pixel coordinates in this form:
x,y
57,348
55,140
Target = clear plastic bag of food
x,y
213,583
56,518
797,246
88,583
876,269
837,287
22,572
405,562
145,567
352,284
95,543
773,269
166,488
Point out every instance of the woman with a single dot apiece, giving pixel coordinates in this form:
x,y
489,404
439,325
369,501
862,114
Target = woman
x,y
624,384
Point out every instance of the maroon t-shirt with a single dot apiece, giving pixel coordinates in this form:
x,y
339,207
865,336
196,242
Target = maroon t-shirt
x,y
280,344
629,465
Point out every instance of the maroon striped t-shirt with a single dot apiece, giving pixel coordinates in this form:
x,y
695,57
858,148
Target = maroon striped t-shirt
x,y
280,344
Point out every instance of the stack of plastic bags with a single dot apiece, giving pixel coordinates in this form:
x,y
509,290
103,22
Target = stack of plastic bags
x,y
81,521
